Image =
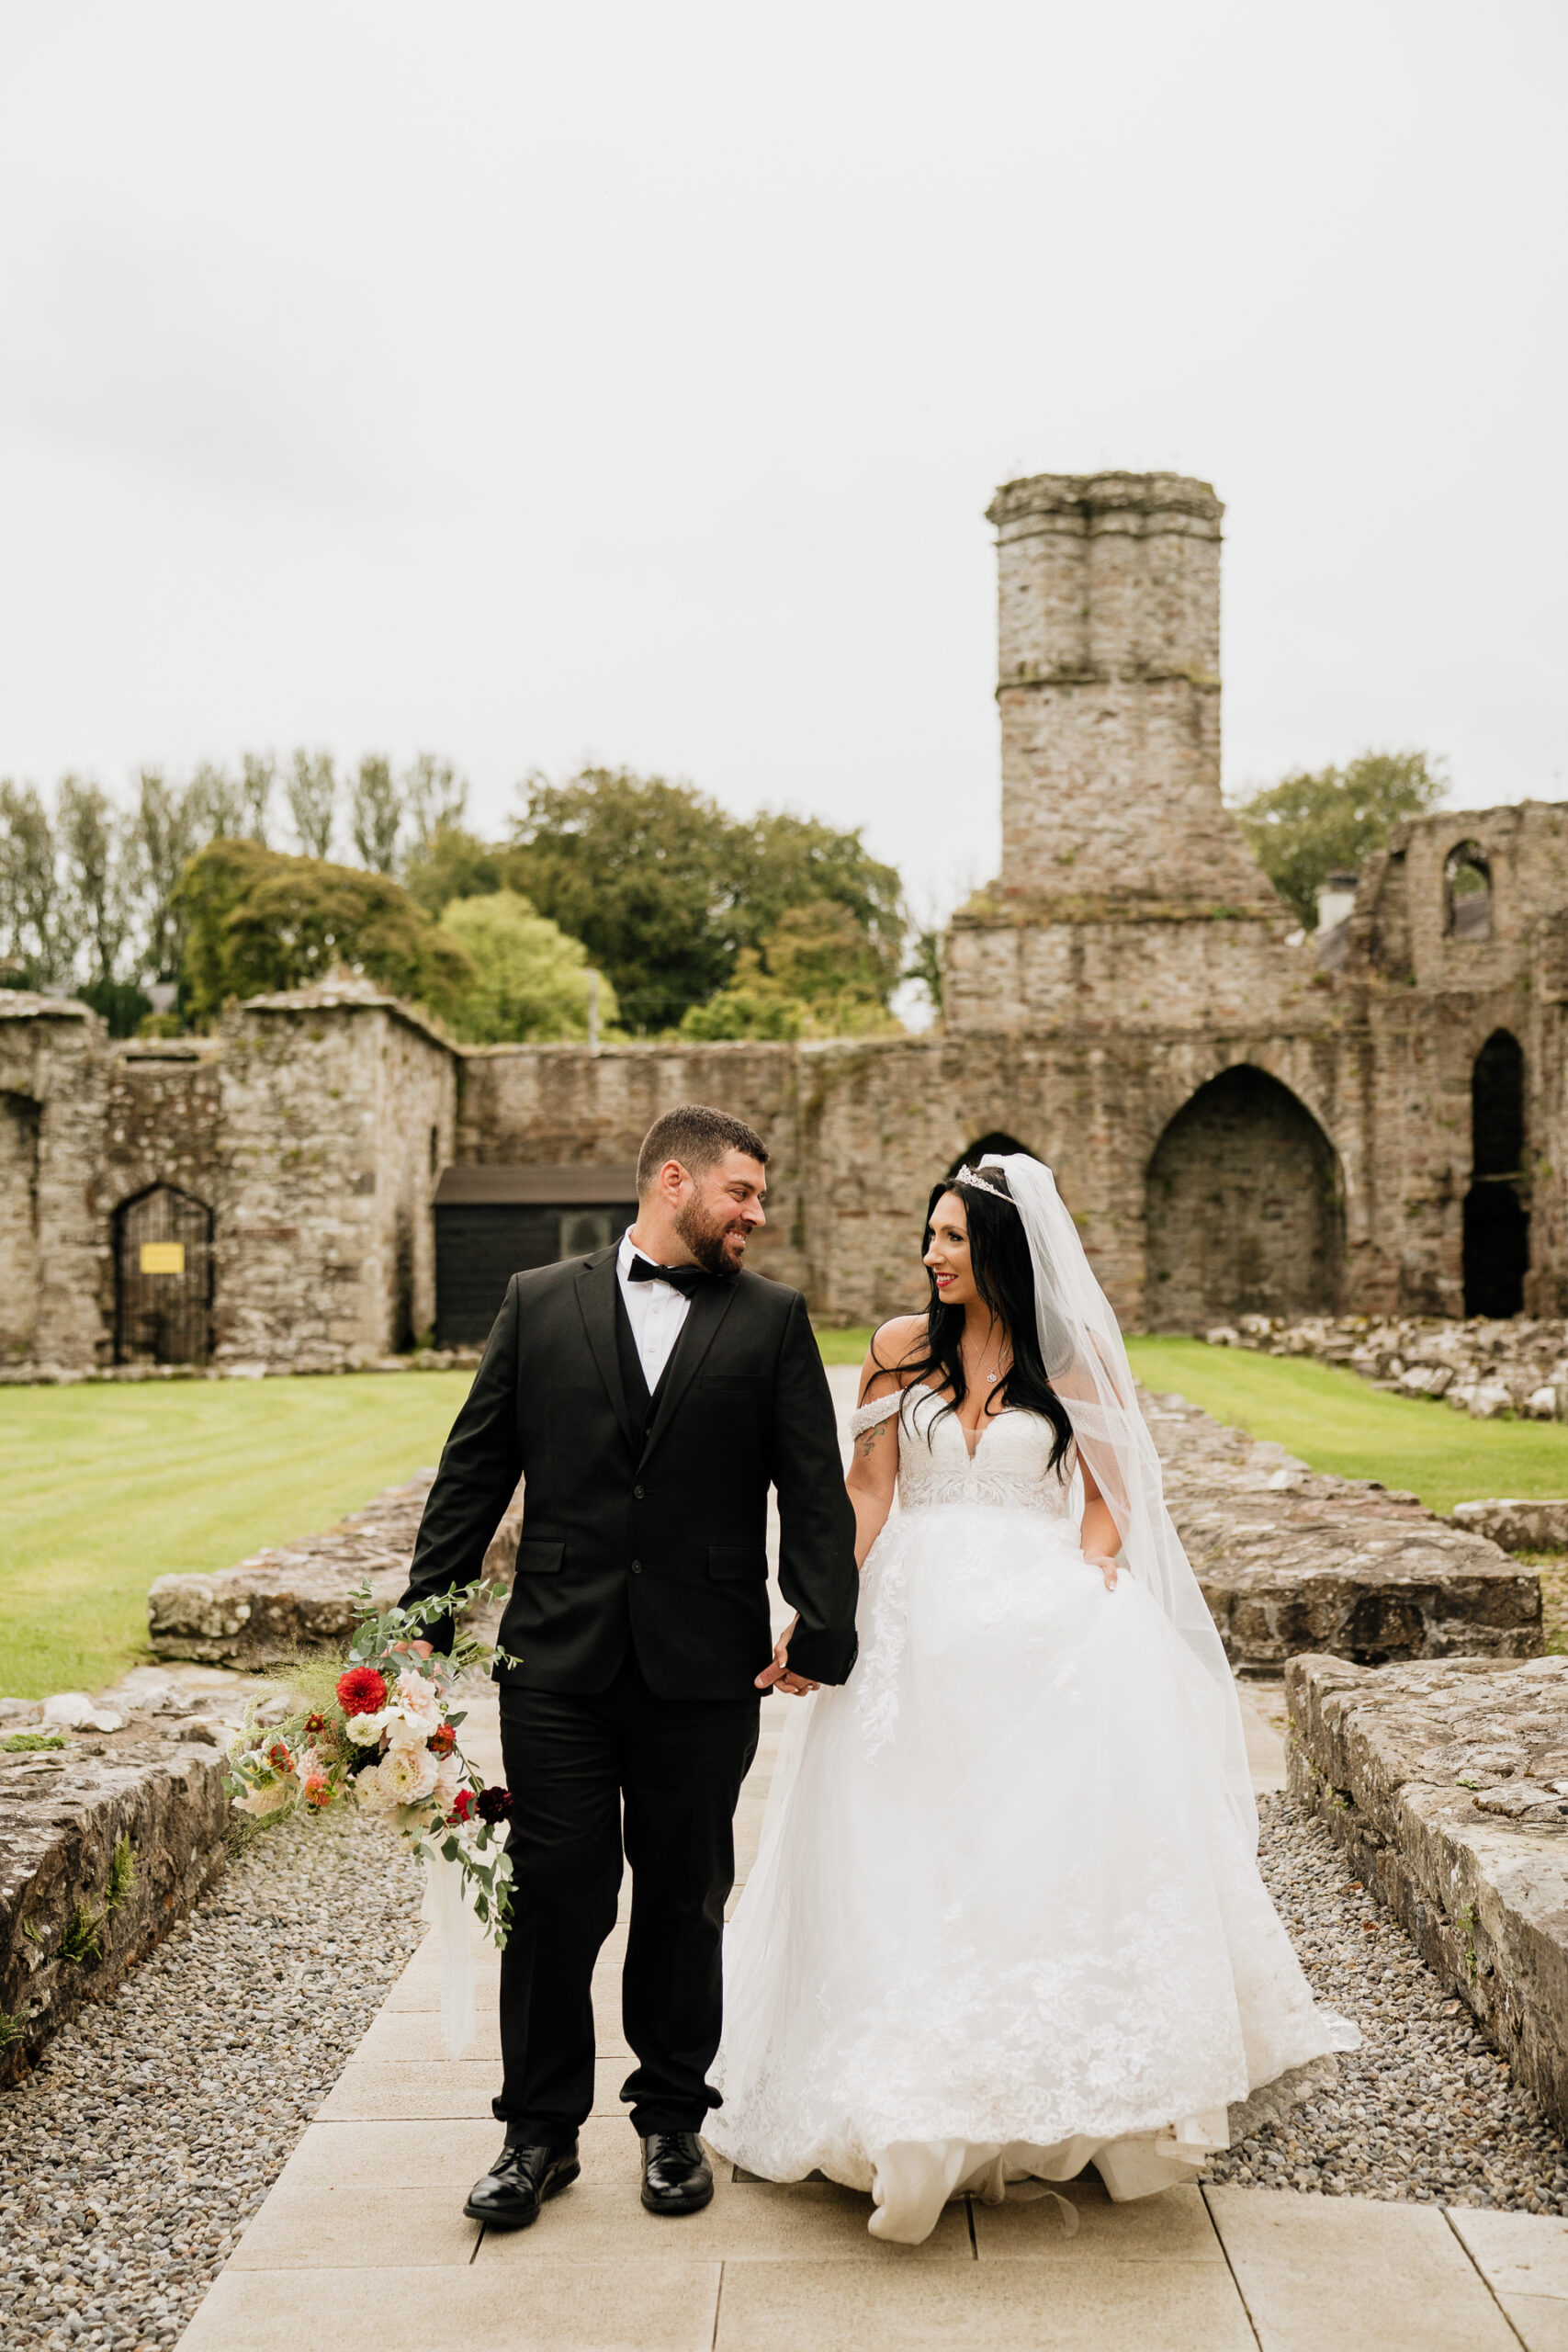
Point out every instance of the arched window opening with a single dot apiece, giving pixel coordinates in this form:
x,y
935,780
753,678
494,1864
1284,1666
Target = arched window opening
x,y
1496,1215
1467,893
1246,1212
163,1278
1004,1145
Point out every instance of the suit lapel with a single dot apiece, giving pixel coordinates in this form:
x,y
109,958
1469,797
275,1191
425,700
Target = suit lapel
x,y
707,1311
596,1299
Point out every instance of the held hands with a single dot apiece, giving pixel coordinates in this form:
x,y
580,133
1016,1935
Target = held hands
x,y
778,1675
1105,1563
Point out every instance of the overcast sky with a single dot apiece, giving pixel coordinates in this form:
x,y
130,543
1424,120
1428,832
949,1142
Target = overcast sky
x,y
629,382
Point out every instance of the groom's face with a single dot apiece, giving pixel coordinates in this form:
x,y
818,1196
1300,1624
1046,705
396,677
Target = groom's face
x,y
721,1210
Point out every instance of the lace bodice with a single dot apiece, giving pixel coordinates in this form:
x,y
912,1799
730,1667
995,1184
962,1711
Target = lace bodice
x,y
1009,1468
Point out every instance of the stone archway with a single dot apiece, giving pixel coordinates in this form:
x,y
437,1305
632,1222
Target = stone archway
x,y
1246,1212
1005,1147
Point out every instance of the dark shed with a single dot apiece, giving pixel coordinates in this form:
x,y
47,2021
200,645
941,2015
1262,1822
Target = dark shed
x,y
492,1222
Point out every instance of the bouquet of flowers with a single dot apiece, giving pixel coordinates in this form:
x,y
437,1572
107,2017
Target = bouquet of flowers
x,y
379,1730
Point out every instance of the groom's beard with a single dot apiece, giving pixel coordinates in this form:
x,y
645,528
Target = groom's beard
x,y
716,1240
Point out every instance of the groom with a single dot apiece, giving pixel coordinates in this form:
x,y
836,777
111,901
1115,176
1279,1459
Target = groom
x,y
649,1394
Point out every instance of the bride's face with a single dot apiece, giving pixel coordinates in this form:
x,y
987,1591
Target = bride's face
x,y
947,1253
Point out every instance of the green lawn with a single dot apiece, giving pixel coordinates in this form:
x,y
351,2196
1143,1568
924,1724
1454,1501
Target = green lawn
x,y
104,1489
844,1347
1335,1420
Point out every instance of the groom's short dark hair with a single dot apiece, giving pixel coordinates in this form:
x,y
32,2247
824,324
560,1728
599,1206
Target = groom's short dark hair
x,y
698,1137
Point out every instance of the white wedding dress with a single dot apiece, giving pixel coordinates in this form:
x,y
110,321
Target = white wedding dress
x,y
1006,1919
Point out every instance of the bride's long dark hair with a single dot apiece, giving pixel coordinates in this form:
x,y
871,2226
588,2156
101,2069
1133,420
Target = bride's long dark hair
x,y
1004,1277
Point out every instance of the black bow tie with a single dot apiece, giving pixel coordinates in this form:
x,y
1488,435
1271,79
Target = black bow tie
x,y
681,1278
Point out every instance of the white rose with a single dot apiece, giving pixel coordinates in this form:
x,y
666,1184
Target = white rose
x,y
410,1773
364,1729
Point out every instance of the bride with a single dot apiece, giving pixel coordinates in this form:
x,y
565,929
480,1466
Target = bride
x,y
1006,1919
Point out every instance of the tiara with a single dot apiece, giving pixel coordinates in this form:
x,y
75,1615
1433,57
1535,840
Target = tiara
x,y
980,1183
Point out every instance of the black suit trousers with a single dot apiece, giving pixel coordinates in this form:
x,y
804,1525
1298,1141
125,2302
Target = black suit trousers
x,y
574,1763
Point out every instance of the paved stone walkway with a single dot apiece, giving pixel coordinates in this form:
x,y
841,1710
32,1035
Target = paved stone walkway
x,y
363,2236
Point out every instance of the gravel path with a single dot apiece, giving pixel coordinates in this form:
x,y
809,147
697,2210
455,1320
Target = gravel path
x,y
1426,2109
156,2125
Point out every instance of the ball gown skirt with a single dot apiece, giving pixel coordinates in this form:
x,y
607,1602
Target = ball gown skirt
x,y
1005,1921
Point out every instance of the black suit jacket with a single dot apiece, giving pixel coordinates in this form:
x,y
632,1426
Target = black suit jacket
x,y
653,1536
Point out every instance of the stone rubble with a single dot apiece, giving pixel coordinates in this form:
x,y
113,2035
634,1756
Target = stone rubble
x,y
1447,1784
131,2159
1482,1367
1291,1559
299,1595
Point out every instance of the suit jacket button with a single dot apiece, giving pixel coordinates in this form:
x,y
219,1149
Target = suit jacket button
x,y
638,1492
637,1567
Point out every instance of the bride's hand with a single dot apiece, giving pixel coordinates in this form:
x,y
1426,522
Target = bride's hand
x,y
1105,1563
778,1675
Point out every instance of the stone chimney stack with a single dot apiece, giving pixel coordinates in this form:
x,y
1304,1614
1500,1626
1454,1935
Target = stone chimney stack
x,y
1108,684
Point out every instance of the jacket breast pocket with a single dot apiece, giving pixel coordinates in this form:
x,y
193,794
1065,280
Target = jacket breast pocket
x,y
745,1384
536,1559
739,1562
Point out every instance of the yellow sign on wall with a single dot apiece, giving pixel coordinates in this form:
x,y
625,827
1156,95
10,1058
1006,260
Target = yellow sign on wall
x,y
162,1256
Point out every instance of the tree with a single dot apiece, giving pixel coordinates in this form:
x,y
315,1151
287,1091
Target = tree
x,y
375,814
816,975
666,890
790,863
642,872
165,829
435,794
259,771
219,804
38,928
310,788
257,922
531,981
1309,826
454,863
88,832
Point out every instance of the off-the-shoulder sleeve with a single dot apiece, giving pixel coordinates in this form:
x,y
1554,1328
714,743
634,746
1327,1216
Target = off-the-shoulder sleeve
x,y
869,1416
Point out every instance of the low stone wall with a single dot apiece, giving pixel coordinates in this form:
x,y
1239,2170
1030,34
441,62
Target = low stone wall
x,y
299,1596
104,1844
1291,1559
1483,1368
60,1375
1447,1784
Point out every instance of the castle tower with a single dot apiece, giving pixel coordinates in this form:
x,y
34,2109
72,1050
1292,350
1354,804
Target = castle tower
x,y
1108,688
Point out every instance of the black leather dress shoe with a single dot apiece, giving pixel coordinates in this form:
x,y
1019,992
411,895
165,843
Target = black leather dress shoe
x,y
676,2175
521,2177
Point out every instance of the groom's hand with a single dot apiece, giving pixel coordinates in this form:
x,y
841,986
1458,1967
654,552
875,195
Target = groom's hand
x,y
778,1675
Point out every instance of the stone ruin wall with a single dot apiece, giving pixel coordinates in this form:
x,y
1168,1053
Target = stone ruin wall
x,y
1239,1124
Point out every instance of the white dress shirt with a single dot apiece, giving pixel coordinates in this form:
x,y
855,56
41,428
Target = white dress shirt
x,y
655,1311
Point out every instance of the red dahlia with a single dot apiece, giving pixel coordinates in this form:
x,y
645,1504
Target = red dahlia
x,y
442,1741
462,1804
361,1691
494,1804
